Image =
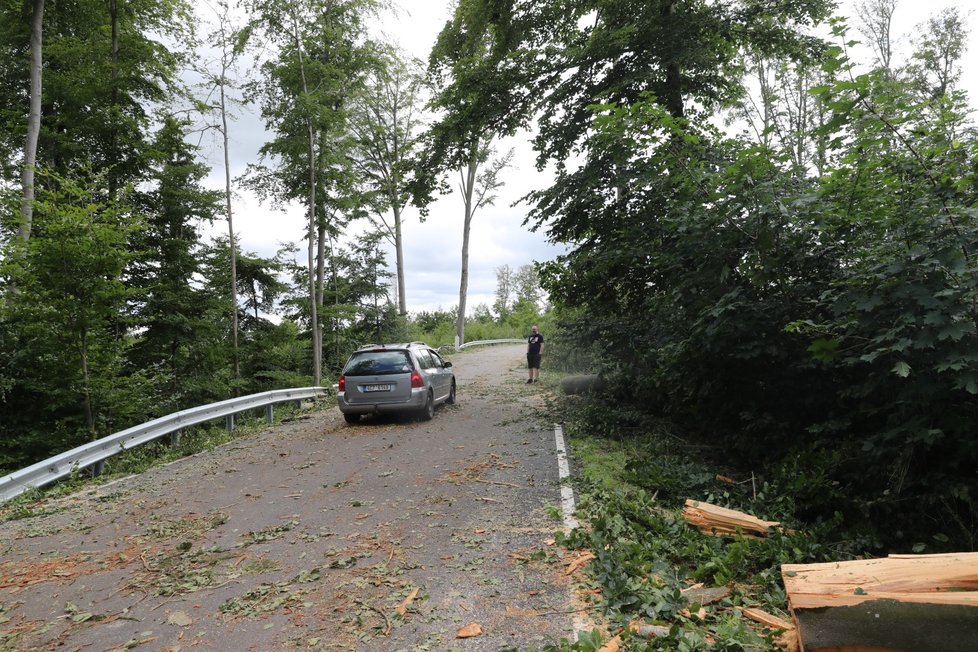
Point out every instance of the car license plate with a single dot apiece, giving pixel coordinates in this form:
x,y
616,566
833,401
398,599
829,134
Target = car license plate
x,y
377,388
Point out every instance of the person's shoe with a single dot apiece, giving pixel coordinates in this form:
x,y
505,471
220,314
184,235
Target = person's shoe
x,y
529,380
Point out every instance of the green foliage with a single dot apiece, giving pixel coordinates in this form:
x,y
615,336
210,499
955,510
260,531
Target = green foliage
x,y
646,554
96,105
720,281
58,337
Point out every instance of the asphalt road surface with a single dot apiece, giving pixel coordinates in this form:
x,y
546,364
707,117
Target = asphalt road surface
x,y
313,535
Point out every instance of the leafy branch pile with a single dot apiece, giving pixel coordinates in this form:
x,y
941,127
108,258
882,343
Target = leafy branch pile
x,y
655,581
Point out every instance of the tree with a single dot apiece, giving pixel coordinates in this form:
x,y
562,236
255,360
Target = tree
x,y
466,42
320,54
170,313
527,284
105,69
476,189
935,66
72,282
228,40
385,121
876,24
258,282
505,288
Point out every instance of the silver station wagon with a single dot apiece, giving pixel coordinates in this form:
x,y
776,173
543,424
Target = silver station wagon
x,y
384,378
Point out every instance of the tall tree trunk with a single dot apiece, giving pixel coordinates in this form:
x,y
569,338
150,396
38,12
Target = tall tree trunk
x,y
399,254
321,270
87,386
468,188
232,240
33,124
113,130
317,353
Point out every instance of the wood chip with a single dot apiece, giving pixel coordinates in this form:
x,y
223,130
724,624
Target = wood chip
x,y
614,645
469,631
763,617
582,560
403,607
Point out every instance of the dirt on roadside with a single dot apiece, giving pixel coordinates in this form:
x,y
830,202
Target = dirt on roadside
x,y
389,535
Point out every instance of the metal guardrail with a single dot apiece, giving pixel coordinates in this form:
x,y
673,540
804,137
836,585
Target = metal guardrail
x,y
509,340
94,453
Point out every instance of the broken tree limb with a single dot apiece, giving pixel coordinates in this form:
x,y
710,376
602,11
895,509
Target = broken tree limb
x,y
721,521
903,602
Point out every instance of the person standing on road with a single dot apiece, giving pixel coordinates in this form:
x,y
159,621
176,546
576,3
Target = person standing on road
x,y
534,351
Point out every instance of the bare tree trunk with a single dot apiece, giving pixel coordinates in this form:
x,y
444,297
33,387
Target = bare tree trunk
x,y
317,361
399,254
113,130
468,188
33,124
232,241
321,268
87,386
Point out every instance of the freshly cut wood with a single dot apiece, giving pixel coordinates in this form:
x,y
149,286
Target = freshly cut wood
x,y
763,617
788,639
722,521
914,603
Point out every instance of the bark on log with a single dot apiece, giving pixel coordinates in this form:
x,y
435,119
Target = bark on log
x,y
579,384
915,603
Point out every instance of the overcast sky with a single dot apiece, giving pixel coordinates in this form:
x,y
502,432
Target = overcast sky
x,y
432,248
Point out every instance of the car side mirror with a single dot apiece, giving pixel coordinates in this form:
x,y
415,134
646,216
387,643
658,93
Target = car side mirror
x,y
447,363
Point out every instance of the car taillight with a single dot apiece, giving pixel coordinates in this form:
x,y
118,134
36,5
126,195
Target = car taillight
x,y
416,380
341,385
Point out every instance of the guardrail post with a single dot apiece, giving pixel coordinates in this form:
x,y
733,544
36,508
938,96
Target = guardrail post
x,y
229,422
175,437
268,413
98,468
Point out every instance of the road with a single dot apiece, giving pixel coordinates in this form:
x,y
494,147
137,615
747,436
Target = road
x,y
313,535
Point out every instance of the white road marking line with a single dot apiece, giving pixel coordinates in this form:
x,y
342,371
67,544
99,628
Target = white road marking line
x,y
568,506
567,503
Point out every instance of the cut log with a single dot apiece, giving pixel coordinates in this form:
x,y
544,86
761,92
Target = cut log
x,y
721,521
579,384
912,603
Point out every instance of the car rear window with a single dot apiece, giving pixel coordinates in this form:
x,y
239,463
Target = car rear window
x,y
377,363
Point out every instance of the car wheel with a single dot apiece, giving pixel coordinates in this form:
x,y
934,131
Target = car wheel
x,y
451,395
428,411
352,418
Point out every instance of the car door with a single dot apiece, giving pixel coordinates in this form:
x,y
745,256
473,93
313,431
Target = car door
x,y
443,375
